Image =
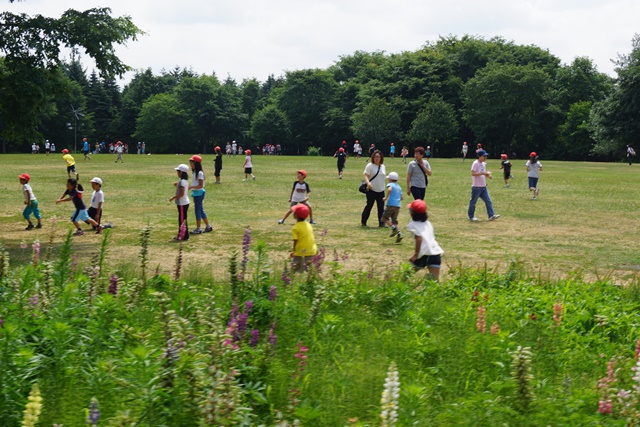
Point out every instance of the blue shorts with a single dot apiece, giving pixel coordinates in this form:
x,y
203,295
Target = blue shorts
x,y
80,215
533,182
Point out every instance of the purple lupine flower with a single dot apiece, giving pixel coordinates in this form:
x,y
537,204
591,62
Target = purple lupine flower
x,y
33,301
183,230
94,413
273,293
371,273
248,307
36,251
246,243
286,279
113,285
255,336
1,323
318,259
272,339
241,326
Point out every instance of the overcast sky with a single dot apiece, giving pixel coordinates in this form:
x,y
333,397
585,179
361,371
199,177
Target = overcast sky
x,y
256,38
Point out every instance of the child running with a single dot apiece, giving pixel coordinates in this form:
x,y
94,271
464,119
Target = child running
x,y
31,202
304,242
505,165
393,199
299,195
217,164
404,153
182,201
342,160
533,173
198,192
74,192
71,164
248,166
427,251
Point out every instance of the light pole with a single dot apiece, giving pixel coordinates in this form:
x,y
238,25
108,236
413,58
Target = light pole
x,y
76,113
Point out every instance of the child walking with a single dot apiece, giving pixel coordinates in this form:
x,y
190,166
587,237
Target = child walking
x,y
427,252
299,195
182,201
404,153
198,192
391,211
533,173
304,242
217,164
505,165
248,166
74,192
31,202
342,160
71,164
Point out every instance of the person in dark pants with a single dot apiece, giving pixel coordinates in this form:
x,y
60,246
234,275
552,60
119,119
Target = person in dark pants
x,y
374,176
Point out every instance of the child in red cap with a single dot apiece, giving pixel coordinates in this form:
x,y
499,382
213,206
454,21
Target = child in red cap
x,y
427,251
533,173
248,166
505,165
342,160
299,195
31,202
304,242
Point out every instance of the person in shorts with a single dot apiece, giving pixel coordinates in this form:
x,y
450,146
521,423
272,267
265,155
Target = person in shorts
x,y
393,199
304,242
299,195
427,254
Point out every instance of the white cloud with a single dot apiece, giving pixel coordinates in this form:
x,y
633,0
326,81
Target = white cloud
x,y
256,38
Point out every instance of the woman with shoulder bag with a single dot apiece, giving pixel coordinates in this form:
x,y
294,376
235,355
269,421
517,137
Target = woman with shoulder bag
x,y
374,176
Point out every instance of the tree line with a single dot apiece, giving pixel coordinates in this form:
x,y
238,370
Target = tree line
x,y
511,98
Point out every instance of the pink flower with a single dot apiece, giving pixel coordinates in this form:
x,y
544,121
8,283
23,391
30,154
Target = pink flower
x,y
481,322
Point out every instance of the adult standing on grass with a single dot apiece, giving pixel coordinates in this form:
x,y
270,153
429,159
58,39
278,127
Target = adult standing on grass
x,y
630,153
417,172
533,173
479,174
374,176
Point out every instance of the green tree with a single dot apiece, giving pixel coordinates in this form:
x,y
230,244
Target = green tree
x,y
270,126
616,120
574,138
507,107
198,97
436,123
165,125
31,45
377,123
99,108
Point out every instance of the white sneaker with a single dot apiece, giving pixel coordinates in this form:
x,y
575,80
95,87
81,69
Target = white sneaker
x,y
496,216
474,219
537,191
245,179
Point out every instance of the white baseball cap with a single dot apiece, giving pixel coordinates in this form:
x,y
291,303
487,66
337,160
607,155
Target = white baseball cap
x,y
393,176
96,180
182,168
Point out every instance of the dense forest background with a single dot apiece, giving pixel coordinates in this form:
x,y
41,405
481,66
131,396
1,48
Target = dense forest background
x,y
511,98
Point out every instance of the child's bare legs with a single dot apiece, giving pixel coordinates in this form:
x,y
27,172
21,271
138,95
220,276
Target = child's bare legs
x,y
435,272
285,217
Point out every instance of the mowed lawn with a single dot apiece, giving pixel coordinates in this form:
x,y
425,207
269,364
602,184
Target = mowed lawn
x,y
584,221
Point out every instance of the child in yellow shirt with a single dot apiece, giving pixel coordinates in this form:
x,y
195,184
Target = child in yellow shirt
x,y
304,243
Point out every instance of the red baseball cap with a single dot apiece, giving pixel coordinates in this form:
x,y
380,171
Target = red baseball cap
x,y
301,211
533,154
341,150
247,152
418,206
503,156
25,176
65,151
217,148
196,158
303,172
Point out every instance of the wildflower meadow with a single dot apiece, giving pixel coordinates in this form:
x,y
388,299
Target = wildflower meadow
x,y
94,331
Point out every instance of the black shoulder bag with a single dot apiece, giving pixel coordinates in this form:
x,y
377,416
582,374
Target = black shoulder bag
x,y
363,185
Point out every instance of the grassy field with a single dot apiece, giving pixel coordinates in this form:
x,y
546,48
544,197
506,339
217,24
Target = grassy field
x,y
585,218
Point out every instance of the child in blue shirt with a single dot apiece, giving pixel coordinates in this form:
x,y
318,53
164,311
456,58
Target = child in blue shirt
x,y
393,199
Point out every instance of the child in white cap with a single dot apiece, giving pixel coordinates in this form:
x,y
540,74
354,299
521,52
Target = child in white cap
x,y
393,199
181,198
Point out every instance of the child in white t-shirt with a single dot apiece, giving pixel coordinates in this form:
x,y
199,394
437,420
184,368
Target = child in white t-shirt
x,y
31,202
248,166
299,195
427,251
533,173
182,201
